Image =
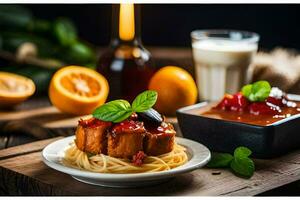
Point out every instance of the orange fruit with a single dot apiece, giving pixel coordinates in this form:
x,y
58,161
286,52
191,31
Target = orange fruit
x,y
14,89
78,90
176,88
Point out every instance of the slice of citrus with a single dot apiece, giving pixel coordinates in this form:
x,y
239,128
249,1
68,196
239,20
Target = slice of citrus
x,y
14,89
78,90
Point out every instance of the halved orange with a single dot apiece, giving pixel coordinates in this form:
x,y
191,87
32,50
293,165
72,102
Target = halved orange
x,y
14,89
78,90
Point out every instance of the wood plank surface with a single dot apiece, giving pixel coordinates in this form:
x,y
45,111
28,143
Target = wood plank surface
x,y
25,148
22,172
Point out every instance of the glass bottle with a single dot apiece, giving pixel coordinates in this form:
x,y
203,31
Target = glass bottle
x,y
126,64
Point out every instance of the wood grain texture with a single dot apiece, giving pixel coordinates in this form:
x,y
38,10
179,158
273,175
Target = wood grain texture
x,y
25,148
24,173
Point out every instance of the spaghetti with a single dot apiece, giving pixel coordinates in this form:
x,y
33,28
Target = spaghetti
x,y
106,164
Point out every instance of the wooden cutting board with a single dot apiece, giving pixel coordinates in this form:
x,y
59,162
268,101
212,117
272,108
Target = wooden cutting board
x,y
22,172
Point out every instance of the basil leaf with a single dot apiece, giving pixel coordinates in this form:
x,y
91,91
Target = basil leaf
x,y
144,101
242,152
261,90
113,111
219,160
243,166
257,91
246,90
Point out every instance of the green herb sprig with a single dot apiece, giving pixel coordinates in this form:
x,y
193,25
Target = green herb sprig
x,y
257,91
119,110
240,163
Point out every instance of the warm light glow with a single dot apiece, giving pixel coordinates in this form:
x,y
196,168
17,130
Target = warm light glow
x,y
126,22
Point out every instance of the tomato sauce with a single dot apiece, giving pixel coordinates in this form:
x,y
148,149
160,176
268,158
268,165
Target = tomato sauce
x,y
93,123
248,118
237,108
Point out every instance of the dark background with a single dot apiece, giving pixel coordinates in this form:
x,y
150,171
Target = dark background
x,y
171,24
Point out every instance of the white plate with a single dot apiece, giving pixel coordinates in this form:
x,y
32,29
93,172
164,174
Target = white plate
x,y
52,155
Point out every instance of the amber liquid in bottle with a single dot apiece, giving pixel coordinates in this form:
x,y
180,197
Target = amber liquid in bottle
x,y
126,63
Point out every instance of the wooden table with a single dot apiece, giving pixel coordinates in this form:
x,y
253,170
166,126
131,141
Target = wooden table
x,y
22,172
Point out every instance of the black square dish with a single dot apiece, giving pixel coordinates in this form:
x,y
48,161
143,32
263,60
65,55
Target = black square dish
x,y
224,136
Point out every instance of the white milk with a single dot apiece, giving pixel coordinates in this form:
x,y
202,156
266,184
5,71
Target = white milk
x,y
221,66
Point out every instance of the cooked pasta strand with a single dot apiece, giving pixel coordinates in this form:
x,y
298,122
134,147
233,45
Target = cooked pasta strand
x,y
105,164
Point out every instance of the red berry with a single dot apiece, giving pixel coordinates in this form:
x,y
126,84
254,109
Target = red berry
x,y
238,102
259,108
274,101
225,102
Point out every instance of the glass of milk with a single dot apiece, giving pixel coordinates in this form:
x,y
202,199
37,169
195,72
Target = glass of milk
x,y
222,59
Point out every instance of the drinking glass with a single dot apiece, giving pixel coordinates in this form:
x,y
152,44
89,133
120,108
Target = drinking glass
x,y
222,59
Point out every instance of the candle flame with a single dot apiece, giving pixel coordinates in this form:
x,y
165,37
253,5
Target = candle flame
x,y
126,22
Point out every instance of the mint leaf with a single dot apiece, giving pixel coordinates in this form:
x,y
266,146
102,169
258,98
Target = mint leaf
x,y
113,111
242,152
257,91
144,101
240,163
243,166
219,160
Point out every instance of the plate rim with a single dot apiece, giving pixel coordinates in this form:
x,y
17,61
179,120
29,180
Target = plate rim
x,y
196,162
